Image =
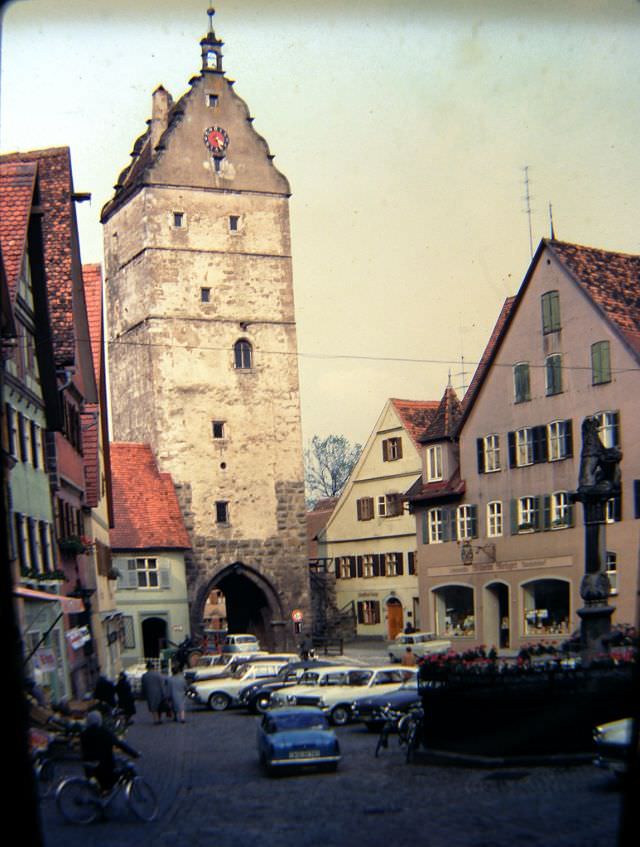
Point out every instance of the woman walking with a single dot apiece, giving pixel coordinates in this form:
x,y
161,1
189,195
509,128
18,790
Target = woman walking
x,y
177,689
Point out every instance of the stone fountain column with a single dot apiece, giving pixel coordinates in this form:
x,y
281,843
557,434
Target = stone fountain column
x,y
599,481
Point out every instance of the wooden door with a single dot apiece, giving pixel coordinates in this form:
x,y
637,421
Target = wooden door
x,y
394,618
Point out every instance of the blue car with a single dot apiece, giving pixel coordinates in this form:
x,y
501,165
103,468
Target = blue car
x,y
297,737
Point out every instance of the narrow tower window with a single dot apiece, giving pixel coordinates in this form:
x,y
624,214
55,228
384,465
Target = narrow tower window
x,y
234,223
243,354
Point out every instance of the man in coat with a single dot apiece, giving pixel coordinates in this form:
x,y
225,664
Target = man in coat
x,y
153,690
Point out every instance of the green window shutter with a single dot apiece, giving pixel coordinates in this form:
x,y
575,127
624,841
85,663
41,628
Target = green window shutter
x,y
546,512
514,516
425,531
480,451
165,576
474,521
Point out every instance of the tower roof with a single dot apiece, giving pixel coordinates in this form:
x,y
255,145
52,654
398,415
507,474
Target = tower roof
x,y
444,424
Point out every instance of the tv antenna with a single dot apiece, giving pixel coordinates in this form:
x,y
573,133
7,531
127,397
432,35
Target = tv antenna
x,y
527,200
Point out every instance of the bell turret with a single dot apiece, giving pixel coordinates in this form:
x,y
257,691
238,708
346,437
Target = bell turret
x,y
211,48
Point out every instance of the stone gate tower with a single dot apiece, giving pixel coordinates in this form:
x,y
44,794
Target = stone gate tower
x,y
202,344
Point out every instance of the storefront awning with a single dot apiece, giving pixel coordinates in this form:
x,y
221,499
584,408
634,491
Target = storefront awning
x,y
70,605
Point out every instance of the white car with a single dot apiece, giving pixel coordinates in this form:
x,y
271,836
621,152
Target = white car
x,y
240,642
421,643
612,741
335,690
213,665
222,692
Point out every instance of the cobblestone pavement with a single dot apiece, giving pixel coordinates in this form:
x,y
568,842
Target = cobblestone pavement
x,y
212,792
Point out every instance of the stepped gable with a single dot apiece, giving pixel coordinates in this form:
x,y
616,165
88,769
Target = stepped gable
x,y
146,511
444,424
17,183
416,416
58,227
611,280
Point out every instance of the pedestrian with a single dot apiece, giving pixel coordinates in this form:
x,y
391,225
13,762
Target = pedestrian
x,y
153,690
409,658
105,692
177,693
126,700
97,743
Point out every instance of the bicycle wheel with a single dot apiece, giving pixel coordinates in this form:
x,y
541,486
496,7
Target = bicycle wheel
x,y
78,800
413,739
46,776
142,799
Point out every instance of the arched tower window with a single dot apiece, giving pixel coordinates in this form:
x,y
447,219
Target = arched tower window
x,y
243,354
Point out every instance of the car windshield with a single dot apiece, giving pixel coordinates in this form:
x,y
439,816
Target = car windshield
x,y
309,678
386,677
288,722
207,661
241,671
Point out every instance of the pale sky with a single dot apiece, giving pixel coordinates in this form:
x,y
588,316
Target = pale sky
x,y
403,127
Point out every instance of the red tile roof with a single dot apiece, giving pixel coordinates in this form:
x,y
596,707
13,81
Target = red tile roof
x,y
442,491
147,515
416,416
60,241
92,278
317,519
611,280
17,183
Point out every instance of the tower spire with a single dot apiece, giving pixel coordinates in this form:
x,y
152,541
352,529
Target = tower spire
x,y
211,47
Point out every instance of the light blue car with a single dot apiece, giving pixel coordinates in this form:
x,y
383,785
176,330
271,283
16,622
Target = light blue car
x,y
297,737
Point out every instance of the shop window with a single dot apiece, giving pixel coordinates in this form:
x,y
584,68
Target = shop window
x,y
546,607
455,616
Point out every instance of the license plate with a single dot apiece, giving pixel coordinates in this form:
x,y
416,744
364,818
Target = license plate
x,y
303,754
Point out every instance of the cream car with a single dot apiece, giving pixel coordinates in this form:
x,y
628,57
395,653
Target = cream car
x,y
335,690
222,692
421,643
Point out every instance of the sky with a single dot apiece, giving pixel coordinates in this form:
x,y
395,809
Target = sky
x,y
404,128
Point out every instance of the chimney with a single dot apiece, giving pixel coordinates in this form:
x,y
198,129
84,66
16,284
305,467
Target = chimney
x,y
161,103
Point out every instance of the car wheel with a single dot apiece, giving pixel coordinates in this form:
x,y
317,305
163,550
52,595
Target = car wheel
x,y
219,701
340,715
262,703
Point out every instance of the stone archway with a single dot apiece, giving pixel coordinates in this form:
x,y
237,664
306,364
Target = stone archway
x,y
252,605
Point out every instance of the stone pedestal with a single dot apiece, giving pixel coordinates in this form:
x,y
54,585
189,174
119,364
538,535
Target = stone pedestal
x,y
595,626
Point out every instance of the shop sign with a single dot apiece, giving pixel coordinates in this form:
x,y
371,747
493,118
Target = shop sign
x,y
78,636
45,660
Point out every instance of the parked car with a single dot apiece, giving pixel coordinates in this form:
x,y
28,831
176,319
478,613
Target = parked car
x,y
369,710
222,692
294,738
211,666
240,642
334,690
421,643
612,742
256,696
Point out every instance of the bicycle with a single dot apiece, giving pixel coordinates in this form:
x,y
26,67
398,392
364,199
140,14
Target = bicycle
x,y
81,800
408,727
410,731
45,772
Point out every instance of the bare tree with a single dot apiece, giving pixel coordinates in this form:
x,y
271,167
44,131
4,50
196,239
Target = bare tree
x,y
328,465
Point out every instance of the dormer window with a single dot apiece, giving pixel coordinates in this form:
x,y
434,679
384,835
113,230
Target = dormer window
x,y
434,463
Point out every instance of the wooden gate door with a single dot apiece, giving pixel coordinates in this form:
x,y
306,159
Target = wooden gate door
x,y
394,618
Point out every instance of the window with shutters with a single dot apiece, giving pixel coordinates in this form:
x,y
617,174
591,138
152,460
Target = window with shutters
x,y
608,428
550,302
494,519
411,562
435,526
524,447
391,564
368,612
559,440
434,463
527,514
344,568
391,449
553,374
560,510
466,523
489,453
390,505
21,542
368,566
521,382
146,571
11,431
600,363
364,508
